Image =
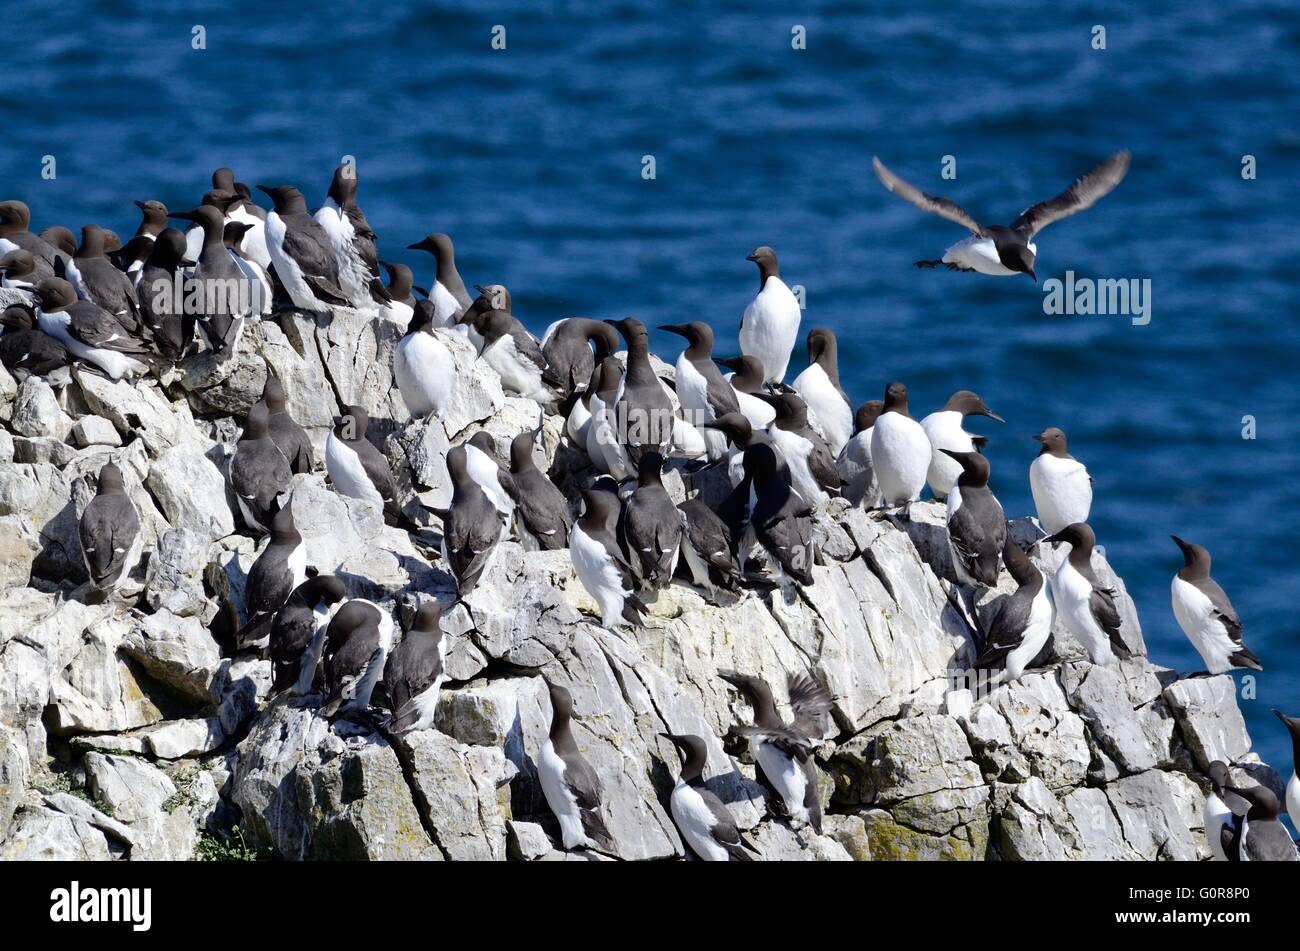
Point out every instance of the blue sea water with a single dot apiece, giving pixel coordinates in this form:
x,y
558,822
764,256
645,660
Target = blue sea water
x,y
531,157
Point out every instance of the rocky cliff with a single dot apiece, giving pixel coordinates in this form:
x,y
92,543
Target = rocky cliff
x,y
133,729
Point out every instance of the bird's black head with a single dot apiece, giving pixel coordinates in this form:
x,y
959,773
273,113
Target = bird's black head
x,y
233,233
55,294
285,197
1079,536
352,424
896,398
867,415
437,244
697,333
400,279
1219,776
110,480
18,263
968,403
343,186
974,467
1018,258
735,426
1054,442
631,329
1196,559
428,617
14,216
327,588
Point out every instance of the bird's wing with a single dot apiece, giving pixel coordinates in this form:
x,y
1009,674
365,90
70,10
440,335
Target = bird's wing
x,y
1223,608
1004,631
113,530
310,250
724,831
1102,603
96,327
931,203
1084,193
407,675
810,702
792,743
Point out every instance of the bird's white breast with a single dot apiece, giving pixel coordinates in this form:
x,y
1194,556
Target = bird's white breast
x,y
425,372
770,327
550,770
785,775
1194,612
900,454
978,254
944,430
826,407
1062,491
695,822
347,473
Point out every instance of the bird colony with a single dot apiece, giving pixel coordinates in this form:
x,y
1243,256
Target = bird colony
x,y
305,554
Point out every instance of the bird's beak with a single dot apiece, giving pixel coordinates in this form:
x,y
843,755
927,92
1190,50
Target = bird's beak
x,y
418,246
1033,274
992,415
952,453
673,329
751,257
1182,545
1051,539
139,204
730,677
183,215
264,188
1037,437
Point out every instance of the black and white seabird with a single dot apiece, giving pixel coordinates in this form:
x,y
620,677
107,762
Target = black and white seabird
x,y
802,449
944,430
512,351
423,367
1060,483
542,513
448,293
227,293
262,292
415,671
276,573
27,348
746,378
15,220
94,278
598,561
1087,607
1222,826
703,393
153,222
111,541
291,438
643,411
1205,614
357,643
400,306
159,281
900,450
18,271
603,445
829,408
88,331
573,347
703,821
1003,252
857,474
780,519
298,632
259,472
578,422
707,547
784,751
352,241
650,528
1292,725
1019,624
571,787
472,527
356,468
493,478
977,526
1262,838
740,435
301,252
770,325
242,209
